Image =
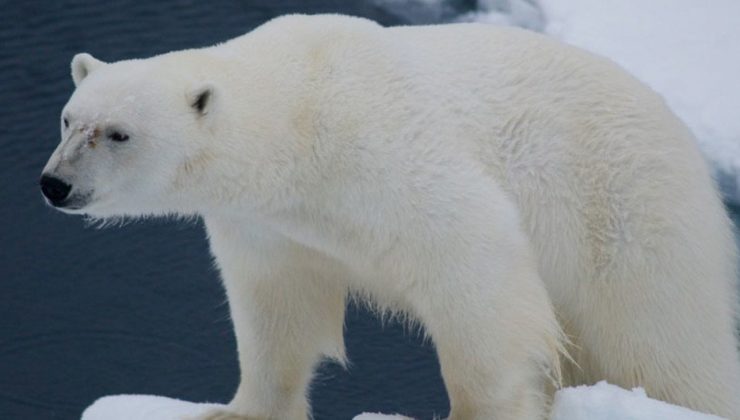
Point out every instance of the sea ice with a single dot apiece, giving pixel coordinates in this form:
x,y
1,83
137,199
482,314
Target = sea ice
x,y
598,402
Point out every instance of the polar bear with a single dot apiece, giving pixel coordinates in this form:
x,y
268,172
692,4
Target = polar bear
x,y
515,195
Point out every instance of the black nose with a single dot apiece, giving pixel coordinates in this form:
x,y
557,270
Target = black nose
x,y
54,189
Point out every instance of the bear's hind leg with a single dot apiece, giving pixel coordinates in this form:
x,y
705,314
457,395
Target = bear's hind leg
x,y
664,319
496,336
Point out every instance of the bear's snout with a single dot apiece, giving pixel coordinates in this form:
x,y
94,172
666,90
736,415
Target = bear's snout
x,y
54,189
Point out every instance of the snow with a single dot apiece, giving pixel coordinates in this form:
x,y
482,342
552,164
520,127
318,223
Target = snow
x,y
144,407
368,416
598,402
609,402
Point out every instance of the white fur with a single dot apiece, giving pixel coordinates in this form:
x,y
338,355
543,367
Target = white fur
x,y
481,180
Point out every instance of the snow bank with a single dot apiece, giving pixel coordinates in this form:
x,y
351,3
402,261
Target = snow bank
x,y
143,407
368,416
599,402
608,402
603,402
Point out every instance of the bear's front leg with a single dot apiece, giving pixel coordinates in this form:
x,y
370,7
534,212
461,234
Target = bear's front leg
x,y
287,306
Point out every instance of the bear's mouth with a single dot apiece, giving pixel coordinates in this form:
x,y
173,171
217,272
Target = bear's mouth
x,y
74,204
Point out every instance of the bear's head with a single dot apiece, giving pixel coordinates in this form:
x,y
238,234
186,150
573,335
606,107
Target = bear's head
x,y
151,137
131,136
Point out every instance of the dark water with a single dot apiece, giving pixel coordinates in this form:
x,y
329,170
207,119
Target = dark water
x,y
86,312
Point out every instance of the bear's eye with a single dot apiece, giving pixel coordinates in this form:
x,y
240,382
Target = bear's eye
x,y
117,136
66,123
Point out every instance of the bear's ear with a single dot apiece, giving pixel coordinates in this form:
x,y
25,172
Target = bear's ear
x,y
82,65
201,98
